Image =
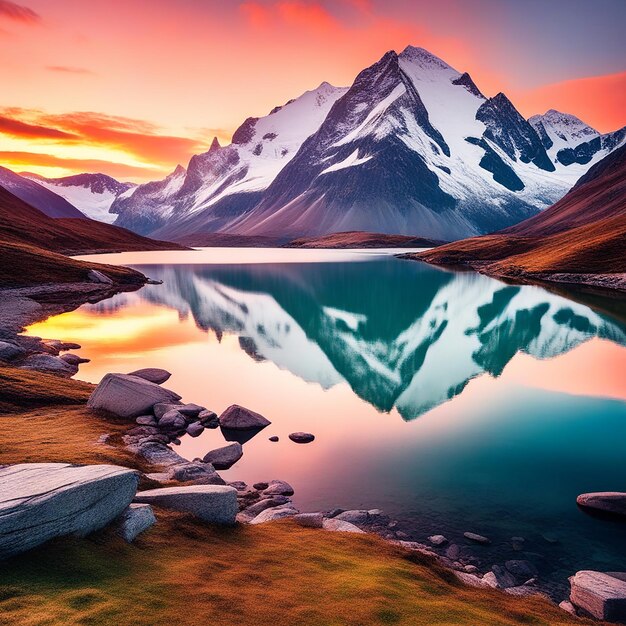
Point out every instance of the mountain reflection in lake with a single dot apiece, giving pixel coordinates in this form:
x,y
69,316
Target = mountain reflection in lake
x,y
450,400
401,334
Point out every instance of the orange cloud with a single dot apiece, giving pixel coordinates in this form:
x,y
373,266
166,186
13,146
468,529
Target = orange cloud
x,y
17,12
137,138
598,100
20,161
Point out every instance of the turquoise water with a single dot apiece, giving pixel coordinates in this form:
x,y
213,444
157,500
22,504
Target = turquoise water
x,y
449,400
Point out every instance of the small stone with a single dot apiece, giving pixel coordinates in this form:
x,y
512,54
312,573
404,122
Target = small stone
x,y
270,515
254,509
176,441
223,458
134,520
334,512
208,417
172,420
161,408
309,520
191,410
453,552
401,535
521,569
476,538
239,485
338,525
301,437
470,569
195,429
261,486
9,351
273,438
155,375
437,540
278,488
567,606
146,420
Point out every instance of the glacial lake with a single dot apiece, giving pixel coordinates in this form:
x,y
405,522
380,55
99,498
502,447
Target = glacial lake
x,y
452,401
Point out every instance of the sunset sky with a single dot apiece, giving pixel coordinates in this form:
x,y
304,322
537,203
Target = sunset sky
x,y
133,87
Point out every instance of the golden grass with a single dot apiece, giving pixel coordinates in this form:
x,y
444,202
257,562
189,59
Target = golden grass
x,y
184,572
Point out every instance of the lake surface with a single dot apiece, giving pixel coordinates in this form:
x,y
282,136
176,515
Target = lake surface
x,y
451,401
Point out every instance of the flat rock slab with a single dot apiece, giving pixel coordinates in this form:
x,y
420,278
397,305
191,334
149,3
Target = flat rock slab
x,y
153,374
477,538
134,520
216,504
40,501
601,595
128,396
612,502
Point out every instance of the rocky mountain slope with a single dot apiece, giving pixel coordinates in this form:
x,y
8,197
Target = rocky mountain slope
x,y
36,195
412,147
582,236
92,194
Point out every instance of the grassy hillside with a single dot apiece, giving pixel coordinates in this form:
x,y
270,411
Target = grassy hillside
x,y
583,233
361,239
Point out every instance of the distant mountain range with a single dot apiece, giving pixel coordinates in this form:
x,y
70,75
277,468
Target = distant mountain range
x,y
413,148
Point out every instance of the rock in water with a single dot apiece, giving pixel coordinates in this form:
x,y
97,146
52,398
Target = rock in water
x,y
155,375
134,520
236,417
302,437
216,504
601,595
477,538
39,501
278,488
612,502
195,429
356,517
437,540
128,396
223,458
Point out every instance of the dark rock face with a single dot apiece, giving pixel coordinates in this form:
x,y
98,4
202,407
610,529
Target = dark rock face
x,y
466,81
502,173
245,132
584,152
511,132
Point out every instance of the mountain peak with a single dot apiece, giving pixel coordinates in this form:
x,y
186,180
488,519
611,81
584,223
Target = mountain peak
x,y
425,59
180,170
215,145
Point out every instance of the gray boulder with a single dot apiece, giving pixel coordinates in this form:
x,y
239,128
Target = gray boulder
x,y
357,517
172,420
521,569
9,351
338,525
197,473
191,409
134,520
128,396
208,418
270,515
216,504
95,276
300,437
223,458
236,417
601,595
309,520
155,375
266,503
39,501
500,578
49,364
613,502
278,488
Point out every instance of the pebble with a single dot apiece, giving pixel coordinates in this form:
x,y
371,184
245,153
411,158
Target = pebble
x,y
300,437
476,538
437,540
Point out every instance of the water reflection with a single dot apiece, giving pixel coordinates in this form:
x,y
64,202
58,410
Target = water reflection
x,y
401,334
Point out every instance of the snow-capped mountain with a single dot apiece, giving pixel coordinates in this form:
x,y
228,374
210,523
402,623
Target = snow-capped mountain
x,y
322,323
228,179
37,195
92,194
412,147
569,140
